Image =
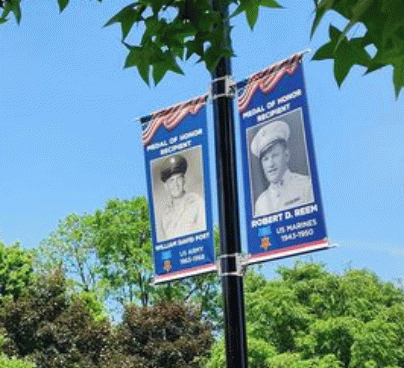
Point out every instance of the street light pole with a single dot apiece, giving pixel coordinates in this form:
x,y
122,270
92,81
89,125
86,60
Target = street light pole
x,y
230,245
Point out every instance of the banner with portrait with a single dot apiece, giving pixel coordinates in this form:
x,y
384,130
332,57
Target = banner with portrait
x,y
283,206
177,170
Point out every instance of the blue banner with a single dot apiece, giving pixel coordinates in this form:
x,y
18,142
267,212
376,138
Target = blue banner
x,y
283,206
177,169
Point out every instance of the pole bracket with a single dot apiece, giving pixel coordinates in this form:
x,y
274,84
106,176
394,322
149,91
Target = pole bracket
x,y
231,265
225,89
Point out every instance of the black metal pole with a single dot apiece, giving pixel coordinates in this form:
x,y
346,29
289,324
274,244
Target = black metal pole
x,y
230,246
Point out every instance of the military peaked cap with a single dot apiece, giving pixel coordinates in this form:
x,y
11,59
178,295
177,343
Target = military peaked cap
x,y
175,164
269,135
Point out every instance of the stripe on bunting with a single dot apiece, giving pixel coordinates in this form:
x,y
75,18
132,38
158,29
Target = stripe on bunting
x,y
171,117
267,80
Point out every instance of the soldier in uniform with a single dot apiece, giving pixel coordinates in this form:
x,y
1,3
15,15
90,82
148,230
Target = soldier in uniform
x,y
184,213
285,189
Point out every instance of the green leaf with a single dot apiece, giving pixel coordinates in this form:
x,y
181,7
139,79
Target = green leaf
x,y
159,71
212,57
168,63
213,54
252,15
358,11
321,9
373,67
359,53
161,68
62,4
14,7
206,22
343,63
384,30
345,32
127,17
135,58
157,5
270,4
251,8
398,77
327,50
154,27
144,57
178,52
346,53
324,52
173,65
194,47
394,57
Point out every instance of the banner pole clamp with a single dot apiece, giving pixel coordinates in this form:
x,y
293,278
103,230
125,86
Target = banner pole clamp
x,y
231,265
228,90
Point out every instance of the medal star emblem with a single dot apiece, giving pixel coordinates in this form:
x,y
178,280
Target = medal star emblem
x,y
265,243
167,265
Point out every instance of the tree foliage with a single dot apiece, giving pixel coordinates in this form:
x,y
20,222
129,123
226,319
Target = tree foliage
x,y
383,30
176,30
313,318
54,330
16,268
107,253
107,256
121,234
71,246
6,362
308,317
165,335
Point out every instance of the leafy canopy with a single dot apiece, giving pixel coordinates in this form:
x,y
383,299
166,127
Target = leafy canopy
x,y
106,257
6,362
121,235
47,327
313,318
173,30
16,268
384,32
71,246
176,30
164,335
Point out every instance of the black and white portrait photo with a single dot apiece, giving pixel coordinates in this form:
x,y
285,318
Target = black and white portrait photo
x,y
178,194
279,170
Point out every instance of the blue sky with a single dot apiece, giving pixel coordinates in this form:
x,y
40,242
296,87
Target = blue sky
x,y
69,139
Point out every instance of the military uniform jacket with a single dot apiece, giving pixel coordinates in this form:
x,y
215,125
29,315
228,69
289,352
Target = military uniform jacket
x,y
293,191
186,217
